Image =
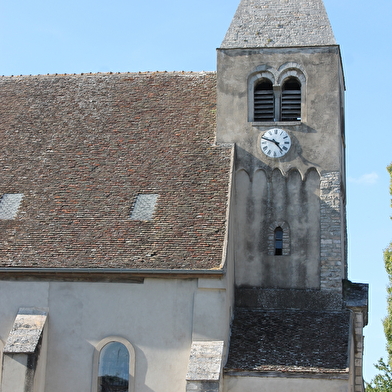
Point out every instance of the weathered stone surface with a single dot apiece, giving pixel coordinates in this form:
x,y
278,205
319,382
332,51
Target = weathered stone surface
x,y
205,361
26,331
289,299
274,23
332,227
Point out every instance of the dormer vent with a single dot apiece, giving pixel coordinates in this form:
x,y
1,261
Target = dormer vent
x,y
144,207
9,205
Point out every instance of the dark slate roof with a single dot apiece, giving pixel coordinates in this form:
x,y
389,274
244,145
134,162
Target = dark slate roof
x,y
81,148
289,341
279,23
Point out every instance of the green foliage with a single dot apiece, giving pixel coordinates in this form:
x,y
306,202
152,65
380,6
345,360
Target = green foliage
x,y
388,267
383,381
388,319
389,168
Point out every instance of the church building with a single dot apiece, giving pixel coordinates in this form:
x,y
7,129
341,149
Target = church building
x,y
183,231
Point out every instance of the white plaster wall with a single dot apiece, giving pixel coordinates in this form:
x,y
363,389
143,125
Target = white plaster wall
x,y
15,295
14,369
156,317
280,384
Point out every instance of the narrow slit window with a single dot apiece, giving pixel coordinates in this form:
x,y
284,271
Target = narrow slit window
x,y
113,371
291,100
264,101
278,241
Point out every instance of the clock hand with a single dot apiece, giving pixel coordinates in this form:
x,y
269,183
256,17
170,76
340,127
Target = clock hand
x,y
273,141
277,143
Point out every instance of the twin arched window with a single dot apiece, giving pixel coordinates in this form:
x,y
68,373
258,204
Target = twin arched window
x,y
273,104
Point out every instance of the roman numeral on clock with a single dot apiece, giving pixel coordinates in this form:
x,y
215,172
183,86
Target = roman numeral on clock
x,y
275,143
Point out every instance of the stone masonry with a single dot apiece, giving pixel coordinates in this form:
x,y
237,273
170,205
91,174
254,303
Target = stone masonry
x,y
279,23
331,240
205,366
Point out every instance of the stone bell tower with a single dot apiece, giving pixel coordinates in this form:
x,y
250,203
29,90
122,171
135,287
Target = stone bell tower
x,y
280,76
281,101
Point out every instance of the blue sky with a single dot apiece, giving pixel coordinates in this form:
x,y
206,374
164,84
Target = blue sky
x,y
48,36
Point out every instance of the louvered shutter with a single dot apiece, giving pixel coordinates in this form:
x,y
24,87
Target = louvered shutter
x,y
291,101
264,102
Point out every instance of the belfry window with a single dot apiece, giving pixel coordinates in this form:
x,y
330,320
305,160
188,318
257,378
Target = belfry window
x,y
277,95
291,100
113,368
278,237
264,101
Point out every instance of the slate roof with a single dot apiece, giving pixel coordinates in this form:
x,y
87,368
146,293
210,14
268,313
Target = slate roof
x,y
81,148
279,23
289,341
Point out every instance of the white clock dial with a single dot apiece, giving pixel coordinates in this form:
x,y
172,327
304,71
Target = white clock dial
x,y
275,143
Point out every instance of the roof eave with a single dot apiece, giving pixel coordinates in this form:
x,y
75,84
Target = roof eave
x,y
124,275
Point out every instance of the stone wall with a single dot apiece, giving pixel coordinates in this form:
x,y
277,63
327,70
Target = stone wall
x,y
266,200
332,248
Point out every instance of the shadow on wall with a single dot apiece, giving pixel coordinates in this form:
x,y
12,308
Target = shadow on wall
x,y
267,199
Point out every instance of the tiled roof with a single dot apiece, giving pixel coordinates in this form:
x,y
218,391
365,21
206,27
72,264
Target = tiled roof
x,y
289,341
81,148
279,23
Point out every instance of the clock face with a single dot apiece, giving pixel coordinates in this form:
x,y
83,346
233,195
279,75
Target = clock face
x,y
275,143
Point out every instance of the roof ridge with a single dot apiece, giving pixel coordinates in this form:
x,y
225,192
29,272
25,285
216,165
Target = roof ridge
x,y
112,73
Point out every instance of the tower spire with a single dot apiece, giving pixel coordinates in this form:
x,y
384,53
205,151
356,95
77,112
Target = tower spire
x,y
279,23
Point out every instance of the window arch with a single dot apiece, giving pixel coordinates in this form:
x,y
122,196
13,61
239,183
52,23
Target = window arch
x,y
114,366
291,100
277,95
264,101
279,239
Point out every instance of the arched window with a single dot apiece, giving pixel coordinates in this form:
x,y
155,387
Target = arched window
x,y
276,95
114,366
278,238
113,369
291,100
264,101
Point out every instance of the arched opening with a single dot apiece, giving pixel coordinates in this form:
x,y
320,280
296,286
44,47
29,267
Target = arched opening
x,y
113,368
291,100
278,238
263,101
